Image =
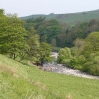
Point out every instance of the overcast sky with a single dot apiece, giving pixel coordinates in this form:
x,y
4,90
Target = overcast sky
x,y
29,7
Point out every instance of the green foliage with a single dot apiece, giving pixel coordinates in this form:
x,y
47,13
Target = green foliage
x,y
43,54
80,31
91,68
91,43
12,35
78,66
81,59
96,59
32,22
1,12
61,39
76,62
73,62
85,53
92,64
55,49
33,42
48,31
51,30
64,54
78,47
94,69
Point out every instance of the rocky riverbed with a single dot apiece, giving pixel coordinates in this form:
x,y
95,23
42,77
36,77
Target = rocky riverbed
x,y
59,68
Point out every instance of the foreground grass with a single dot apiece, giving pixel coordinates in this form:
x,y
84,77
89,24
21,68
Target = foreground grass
x,y
18,81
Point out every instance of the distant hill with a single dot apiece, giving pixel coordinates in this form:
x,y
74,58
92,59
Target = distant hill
x,y
70,18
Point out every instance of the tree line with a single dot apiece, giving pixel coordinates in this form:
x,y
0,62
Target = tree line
x,y
84,55
18,43
61,34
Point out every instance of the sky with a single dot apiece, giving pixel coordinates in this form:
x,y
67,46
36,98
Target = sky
x,y
30,7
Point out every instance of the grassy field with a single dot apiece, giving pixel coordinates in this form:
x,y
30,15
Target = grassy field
x,y
70,18
21,81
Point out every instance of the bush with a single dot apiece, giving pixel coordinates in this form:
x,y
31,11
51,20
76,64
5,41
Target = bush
x,y
94,70
91,68
81,59
79,67
73,62
96,60
56,49
60,58
66,62
86,66
63,54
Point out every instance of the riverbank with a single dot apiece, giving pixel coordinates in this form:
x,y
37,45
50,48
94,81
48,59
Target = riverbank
x,y
59,68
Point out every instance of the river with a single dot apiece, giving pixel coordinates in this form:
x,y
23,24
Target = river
x,y
59,68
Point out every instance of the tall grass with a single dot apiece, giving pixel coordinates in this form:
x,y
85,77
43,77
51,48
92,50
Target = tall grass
x,y
18,81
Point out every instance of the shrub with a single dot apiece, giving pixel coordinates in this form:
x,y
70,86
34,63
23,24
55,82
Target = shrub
x,y
86,66
96,60
64,53
73,62
79,67
91,67
94,70
66,62
81,59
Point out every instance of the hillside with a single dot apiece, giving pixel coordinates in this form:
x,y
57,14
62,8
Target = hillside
x,y
19,81
70,18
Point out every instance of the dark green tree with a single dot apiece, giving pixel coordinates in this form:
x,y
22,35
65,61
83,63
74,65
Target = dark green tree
x,y
12,35
44,53
49,30
91,43
33,42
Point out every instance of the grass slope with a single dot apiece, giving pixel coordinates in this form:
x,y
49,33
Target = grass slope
x,y
71,18
18,81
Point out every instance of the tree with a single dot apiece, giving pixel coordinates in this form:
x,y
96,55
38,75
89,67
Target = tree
x,y
49,30
53,42
91,43
34,22
93,25
33,42
44,53
78,47
64,54
91,53
1,12
61,40
12,35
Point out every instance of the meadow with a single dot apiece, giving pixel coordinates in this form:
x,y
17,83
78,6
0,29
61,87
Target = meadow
x,y
24,81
